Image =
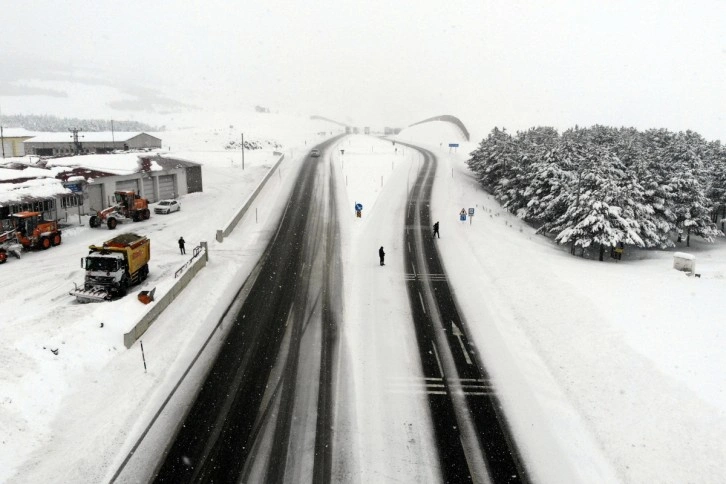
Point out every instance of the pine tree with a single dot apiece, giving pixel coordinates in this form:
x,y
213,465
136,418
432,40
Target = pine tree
x,y
691,207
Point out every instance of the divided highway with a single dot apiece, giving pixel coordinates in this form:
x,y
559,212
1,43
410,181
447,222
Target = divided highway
x,y
265,412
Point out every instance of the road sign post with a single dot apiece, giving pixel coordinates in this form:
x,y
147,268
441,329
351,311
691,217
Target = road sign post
x,y
471,215
358,209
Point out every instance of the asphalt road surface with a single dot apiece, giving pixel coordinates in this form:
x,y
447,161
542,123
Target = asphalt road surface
x,y
472,436
264,413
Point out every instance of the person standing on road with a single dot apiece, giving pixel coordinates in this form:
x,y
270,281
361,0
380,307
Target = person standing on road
x,y
381,255
436,230
181,246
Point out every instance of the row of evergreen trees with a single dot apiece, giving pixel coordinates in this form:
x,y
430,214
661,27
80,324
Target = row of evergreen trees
x,y
49,123
603,186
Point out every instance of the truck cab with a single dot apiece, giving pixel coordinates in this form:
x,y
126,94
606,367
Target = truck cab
x,y
106,270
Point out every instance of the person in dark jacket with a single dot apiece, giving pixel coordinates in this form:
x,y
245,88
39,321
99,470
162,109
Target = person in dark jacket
x,y
381,255
181,246
436,230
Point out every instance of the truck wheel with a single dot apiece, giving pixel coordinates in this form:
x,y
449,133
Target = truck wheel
x,y
136,216
111,223
44,243
94,221
56,239
123,286
146,214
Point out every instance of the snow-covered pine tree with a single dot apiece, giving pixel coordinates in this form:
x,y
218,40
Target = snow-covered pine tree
x,y
605,211
492,161
552,184
715,168
691,207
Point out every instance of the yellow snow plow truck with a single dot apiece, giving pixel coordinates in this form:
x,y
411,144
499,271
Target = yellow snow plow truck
x,y
114,266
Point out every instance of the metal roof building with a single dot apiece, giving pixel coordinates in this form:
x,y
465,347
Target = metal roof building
x,y
58,144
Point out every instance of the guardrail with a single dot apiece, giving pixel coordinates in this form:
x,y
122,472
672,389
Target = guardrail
x,y
222,233
195,253
199,259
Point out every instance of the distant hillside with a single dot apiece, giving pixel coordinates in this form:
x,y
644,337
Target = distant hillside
x,y
47,123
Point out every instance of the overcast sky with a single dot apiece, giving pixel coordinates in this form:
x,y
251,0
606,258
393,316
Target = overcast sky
x,y
511,64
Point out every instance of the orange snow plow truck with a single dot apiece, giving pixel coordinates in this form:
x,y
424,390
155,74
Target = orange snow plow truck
x,y
27,230
114,266
128,206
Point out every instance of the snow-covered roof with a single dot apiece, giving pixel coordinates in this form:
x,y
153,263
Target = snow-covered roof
x,y
118,164
13,174
31,190
86,137
683,255
17,133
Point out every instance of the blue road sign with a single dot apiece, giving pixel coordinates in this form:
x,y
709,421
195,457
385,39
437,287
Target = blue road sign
x,y
358,207
471,212
462,215
453,145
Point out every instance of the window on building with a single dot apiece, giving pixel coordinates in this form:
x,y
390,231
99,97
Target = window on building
x,y
71,201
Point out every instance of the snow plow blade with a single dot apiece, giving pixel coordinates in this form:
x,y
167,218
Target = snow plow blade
x,y
86,296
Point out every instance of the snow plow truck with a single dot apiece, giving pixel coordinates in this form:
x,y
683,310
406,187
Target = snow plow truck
x,y
27,230
113,267
129,206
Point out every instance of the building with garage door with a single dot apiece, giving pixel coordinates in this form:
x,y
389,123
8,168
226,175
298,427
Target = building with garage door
x,y
69,188
59,144
97,177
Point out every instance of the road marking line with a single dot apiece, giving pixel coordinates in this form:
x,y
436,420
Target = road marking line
x,y
436,353
422,304
458,334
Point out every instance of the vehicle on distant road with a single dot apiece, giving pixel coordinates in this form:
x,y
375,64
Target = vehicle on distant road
x,y
167,206
315,153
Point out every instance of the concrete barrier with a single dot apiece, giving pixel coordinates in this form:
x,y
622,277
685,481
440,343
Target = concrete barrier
x,y
241,212
132,336
159,305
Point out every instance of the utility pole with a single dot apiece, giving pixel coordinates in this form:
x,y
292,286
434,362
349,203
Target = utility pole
x,y
2,137
243,151
74,135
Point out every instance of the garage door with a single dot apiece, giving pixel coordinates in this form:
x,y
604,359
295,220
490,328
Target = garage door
x,y
148,192
126,185
95,197
167,186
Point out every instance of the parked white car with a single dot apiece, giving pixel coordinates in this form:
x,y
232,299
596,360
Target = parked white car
x,y
167,206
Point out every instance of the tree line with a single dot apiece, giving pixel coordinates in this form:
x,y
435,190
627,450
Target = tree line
x,y
606,187
49,123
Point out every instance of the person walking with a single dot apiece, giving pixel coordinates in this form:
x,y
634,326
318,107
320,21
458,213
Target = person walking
x,y
181,246
381,255
436,229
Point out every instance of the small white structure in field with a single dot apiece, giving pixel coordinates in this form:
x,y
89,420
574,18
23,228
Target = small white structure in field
x,y
684,262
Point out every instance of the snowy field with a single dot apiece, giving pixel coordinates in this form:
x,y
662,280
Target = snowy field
x,y
608,372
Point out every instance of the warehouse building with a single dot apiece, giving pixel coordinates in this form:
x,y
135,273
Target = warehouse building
x,y
59,144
